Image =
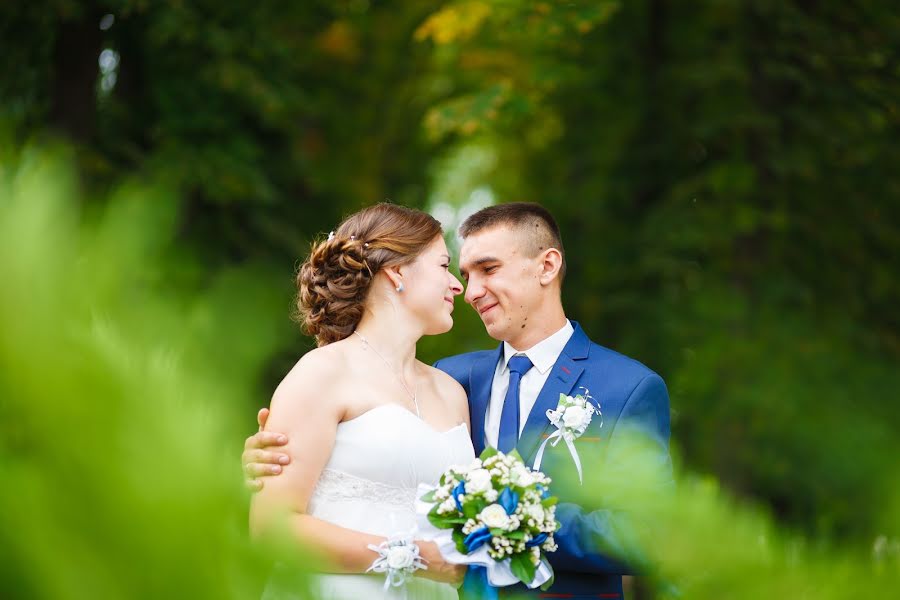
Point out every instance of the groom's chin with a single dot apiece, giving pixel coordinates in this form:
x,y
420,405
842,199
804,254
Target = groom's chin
x,y
493,331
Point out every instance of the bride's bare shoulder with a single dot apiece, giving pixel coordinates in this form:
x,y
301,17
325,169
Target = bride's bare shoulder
x,y
447,387
317,373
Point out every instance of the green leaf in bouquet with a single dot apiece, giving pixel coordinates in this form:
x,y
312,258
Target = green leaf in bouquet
x,y
459,538
521,566
437,520
548,502
474,506
515,454
444,521
429,497
487,453
518,534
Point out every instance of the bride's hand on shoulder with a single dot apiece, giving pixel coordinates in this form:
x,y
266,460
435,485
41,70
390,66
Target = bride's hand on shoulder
x,y
261,457
438,569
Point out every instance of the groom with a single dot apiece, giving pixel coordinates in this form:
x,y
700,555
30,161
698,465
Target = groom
x,y
513,261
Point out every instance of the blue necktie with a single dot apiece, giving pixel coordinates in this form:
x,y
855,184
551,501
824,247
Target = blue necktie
x,y
509,416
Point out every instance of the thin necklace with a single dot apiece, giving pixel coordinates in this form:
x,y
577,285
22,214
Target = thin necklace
x,y
412,394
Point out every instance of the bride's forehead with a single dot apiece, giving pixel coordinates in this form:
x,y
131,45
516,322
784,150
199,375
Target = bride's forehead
x,y
436,246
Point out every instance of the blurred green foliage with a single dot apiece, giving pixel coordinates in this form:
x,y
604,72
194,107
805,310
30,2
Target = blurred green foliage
x,y
723,173
120,398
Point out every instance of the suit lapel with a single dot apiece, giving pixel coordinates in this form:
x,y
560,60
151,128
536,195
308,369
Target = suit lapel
x,y
563,376
480,379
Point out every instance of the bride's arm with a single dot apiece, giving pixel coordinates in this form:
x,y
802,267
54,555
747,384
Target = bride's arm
x,y
307,409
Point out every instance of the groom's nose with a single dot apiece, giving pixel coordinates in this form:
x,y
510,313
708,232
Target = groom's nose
x,y
474,290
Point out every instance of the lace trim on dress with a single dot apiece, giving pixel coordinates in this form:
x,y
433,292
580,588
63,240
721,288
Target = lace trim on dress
x,y
336,486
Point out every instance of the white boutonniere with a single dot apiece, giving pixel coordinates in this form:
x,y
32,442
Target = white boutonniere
x,y
571,418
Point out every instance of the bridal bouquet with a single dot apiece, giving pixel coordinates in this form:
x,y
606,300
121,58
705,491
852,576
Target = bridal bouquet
x,y
496,513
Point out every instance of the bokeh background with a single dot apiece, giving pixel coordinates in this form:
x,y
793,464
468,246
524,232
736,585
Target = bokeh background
x,y
724,172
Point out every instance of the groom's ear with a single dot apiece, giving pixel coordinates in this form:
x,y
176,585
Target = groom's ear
x,y
551,263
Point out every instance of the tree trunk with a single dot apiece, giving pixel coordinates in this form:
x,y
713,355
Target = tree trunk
x,y
73,86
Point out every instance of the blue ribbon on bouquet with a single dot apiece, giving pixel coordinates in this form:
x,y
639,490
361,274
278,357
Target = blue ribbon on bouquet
x,y
458,491
508,500
477,539
475,585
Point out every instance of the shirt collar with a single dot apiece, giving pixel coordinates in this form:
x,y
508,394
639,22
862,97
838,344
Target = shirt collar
x,y
542,355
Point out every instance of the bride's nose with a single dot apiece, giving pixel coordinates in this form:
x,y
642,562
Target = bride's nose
x,y
455,286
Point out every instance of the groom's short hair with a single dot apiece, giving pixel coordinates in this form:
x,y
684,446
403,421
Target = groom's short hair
x,y
535,222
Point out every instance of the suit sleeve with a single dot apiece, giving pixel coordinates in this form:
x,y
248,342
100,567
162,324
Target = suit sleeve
x,y
603,537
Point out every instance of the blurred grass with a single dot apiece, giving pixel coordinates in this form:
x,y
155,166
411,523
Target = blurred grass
x,y
123,394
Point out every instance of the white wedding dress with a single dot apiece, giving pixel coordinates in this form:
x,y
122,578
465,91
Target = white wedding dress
x,y
369,485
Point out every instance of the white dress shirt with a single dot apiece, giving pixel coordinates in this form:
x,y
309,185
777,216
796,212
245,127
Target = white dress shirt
x,y
543,356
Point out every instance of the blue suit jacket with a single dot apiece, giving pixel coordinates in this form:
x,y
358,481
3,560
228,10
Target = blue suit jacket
x,y
630,395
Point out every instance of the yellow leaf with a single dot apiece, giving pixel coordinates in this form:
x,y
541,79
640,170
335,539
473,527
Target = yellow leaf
x,y
458,22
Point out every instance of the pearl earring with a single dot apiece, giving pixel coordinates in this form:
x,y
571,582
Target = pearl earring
x,y
400,287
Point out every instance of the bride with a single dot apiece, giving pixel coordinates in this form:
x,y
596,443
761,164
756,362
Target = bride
x,y
370,421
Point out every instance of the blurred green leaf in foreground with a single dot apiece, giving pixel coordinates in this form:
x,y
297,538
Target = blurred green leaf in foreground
x,y
120,398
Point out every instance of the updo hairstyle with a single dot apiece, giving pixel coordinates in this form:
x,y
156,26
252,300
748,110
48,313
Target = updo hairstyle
x,y
335,279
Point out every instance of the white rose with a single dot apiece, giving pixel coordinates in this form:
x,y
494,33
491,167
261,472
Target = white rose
x,y
400,557
521,477
535,511
494,516
576,417
478,481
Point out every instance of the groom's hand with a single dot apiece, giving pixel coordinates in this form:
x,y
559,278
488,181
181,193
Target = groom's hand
x,y
258,458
